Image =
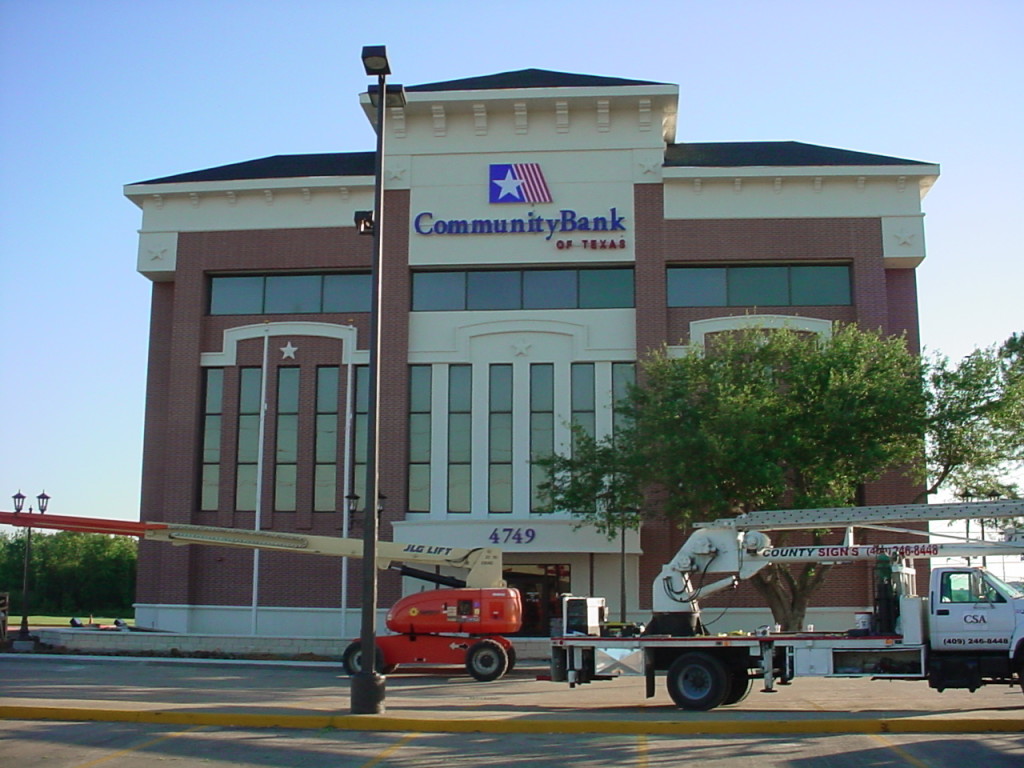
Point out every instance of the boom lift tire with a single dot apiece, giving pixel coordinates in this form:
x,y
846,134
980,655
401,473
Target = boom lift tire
x,y
487,661
698,681
352,660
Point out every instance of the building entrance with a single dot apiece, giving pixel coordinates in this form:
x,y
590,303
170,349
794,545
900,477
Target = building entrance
x,y
540,587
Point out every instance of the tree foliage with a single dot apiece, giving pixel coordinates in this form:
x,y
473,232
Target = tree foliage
x,y
760,419
70,573
975,438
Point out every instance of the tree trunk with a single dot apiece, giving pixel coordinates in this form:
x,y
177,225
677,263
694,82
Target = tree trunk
x,y
788,592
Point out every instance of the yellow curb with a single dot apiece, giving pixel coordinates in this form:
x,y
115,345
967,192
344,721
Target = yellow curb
x,y
518,725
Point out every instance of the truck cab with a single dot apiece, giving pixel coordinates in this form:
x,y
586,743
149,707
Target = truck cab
x,y
975,627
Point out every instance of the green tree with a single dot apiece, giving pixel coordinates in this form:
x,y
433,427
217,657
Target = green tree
x,y
759,420
70,572
975,436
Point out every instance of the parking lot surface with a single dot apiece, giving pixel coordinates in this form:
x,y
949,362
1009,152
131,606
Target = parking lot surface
x,y
302,695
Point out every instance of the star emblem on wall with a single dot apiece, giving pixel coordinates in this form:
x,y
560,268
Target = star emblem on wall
x,y
288,351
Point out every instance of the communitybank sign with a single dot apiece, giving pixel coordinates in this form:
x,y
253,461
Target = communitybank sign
x,y
525,183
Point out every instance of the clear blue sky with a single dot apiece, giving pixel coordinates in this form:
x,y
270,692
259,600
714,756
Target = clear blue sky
x,y
95,94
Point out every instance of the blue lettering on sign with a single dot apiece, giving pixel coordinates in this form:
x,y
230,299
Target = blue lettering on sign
x,y
512,535
426,223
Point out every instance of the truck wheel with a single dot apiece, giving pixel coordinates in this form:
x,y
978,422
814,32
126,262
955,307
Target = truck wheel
x,y
486,661
352,660
697,681
740,685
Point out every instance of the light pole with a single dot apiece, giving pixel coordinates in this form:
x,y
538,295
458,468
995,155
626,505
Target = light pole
x,y
367,691
19,503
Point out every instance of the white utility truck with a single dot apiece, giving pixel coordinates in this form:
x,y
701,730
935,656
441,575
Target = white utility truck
x,y
967,631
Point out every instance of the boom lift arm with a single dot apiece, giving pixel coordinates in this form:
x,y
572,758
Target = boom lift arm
x,y
483,563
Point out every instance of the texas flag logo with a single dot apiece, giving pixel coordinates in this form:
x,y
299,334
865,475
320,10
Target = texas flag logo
x,y
518,183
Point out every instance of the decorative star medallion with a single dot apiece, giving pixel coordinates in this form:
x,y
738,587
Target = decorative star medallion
x,y
288,351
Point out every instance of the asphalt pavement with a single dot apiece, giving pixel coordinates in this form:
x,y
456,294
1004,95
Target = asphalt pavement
x,y
316,695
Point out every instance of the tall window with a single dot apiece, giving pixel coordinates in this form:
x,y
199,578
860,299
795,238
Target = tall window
x,y
762,286
623,377
248,453
542,426
360,423
419,437
460,437
213,405
583,409
325,446
499,448
286,454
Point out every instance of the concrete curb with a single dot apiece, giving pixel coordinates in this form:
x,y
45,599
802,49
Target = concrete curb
x,y
521,725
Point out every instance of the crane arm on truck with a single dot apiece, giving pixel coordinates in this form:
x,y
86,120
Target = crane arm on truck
x,y
738,548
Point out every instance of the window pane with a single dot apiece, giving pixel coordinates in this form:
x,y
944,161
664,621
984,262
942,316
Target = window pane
x,y
419,437
248,438
245,488
419,388
347,293
326,438
360,438
501,388
501,437
494,290
284,488
236,295
583,386
249,390
500,488
819,286
288,294
542,435
538,475
460,387
419,488
327,389
210,487
549,289
460,442
458,488
211,439
602,288
438,290
214,390
287,438
758,286
585,420
542,387
696,287
324,485
362,384
287,390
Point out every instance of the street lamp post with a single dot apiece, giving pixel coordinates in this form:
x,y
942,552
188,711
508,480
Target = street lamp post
x,y
367,691
19,504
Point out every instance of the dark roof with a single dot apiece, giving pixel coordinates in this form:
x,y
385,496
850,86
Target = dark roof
x,y
282,167
771,153
527,78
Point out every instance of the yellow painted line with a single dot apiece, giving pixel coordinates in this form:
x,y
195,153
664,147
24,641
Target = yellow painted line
x,y
390,751
137,748
711,726
901,752
642,760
